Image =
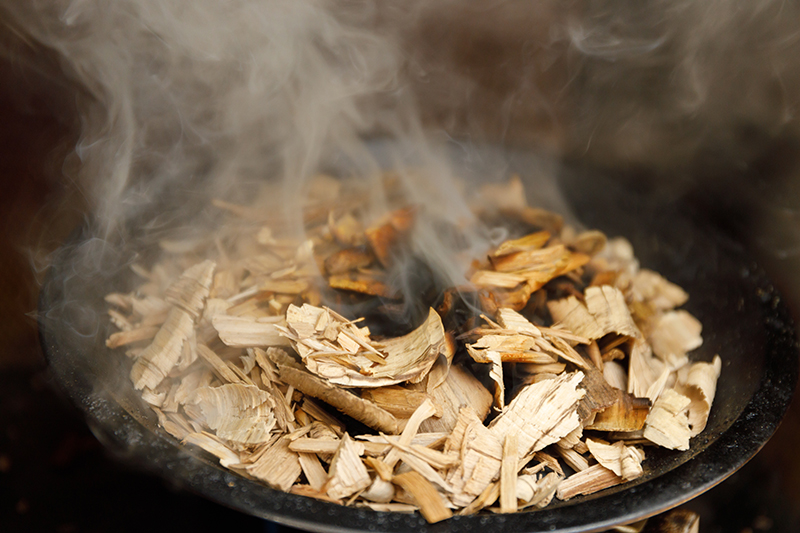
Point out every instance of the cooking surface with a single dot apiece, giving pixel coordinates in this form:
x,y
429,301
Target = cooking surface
x,y
56,476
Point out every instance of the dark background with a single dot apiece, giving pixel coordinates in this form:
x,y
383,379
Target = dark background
x,y
56,476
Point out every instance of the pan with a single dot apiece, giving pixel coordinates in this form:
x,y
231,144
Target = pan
x,y
745,321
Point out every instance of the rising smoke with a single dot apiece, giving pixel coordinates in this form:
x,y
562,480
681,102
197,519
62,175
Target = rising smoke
x,y
181,101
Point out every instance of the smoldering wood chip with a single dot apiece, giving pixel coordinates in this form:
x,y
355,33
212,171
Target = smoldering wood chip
x,y
244,361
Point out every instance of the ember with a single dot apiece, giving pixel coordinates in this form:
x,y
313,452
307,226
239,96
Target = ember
x,y
248,354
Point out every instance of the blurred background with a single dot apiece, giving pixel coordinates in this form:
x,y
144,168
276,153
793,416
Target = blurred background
x,y
697,101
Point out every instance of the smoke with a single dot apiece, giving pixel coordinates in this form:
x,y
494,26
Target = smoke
x,y
189,100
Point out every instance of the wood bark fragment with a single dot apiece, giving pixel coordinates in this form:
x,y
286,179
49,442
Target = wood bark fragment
x,y
362,283
627,413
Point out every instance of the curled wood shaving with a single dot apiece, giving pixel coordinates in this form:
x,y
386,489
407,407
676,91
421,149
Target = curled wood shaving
x,y
699,384
624,461
667,424
155,362
239,413
537,490
604,312
674,335
346,356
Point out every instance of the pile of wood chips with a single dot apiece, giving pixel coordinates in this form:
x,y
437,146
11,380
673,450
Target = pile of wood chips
x,y
575,362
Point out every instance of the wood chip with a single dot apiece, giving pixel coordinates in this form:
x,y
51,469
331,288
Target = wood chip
x,y
399,401
246,332
156,361
406,358
431,504
624,461
278,467
667,424
239,413
123,338
508,475
348,403
212,445
674,335
699,384
604,312
460,388
542,413
348,474
537,490
190,291
589,481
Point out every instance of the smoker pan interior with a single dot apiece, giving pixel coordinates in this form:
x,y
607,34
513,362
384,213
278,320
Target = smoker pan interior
x,y
744,320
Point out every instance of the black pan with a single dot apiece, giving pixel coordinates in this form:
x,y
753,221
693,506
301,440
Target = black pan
x,y
744,319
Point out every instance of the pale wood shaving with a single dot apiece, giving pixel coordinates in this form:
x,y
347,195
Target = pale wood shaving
x,y
651,287
460,388
373,364
537,490
239,413
242,331
190,291
604,312
155,362
667,424
624,461
508,475
380,491
212,445
555,403
348,474
699,384
589,481
278,467
674,335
